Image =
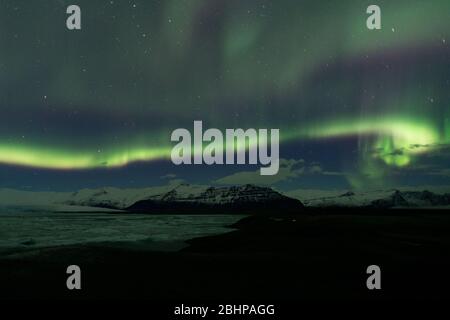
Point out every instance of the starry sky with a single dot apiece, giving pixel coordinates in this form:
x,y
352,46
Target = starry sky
x,y
356,108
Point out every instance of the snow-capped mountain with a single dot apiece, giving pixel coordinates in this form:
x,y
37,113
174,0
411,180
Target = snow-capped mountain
x,y
186,198
382,199
181,198
246,198
140,199
113,198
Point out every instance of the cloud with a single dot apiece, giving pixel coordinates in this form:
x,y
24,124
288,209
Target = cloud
x,y
168,176
424,169
175,182
173,179
289,169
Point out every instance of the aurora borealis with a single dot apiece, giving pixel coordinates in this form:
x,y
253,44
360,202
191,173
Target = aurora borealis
x,y
109,95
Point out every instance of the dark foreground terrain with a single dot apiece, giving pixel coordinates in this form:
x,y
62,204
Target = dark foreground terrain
x,y
311,256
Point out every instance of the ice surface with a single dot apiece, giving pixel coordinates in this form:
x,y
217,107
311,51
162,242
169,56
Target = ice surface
x,y
37,230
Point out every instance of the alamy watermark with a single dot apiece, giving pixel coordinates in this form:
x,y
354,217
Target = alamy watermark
x,y
73,22
231,148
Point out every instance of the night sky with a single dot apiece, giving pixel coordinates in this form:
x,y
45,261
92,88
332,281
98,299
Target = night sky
x,y
356,108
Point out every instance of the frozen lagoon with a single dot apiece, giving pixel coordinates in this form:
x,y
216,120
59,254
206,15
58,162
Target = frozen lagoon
x,y
28,231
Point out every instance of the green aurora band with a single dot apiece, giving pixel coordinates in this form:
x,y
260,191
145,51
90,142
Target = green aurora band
x,y
398,141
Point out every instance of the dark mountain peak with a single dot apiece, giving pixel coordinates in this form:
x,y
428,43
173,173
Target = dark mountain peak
x,y
395,200
427,198
236,199
171,195
347,194
100,192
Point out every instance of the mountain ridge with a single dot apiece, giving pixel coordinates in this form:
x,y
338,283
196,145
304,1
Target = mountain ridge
x,y
246,198
382,199
186,198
